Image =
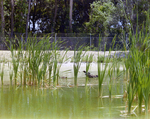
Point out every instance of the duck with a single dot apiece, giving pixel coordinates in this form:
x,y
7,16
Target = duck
x,y
88,74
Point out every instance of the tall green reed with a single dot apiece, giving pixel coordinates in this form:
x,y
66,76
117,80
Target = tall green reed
x,y
110,74
101,71
38,58
34,59
50,66
89,59
77,62
11,76
16,55
56,61
138,65
31,59
62,59
2,73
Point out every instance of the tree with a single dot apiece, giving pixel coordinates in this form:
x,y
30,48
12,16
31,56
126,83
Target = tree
x,y
135,12
70,15
2,21
12,18
101,16
27,20
64,16
20,11
54,19
48,20
117,16
2,18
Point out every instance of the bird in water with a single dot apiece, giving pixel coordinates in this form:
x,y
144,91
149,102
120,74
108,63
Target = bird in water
x,y
88,74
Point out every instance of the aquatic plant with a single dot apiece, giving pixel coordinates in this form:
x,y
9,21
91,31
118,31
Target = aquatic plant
x,y
110,74
34,59
50,66
21,73
2,73
55,69
10,76
101,72
30,60
61,60
137,64
89,59
56,62
77,62
16,55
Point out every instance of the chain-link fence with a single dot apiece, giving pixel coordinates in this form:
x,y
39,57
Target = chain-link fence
x,y
73,41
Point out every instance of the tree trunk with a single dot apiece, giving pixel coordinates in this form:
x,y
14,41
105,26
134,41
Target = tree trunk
x,y
27,22
34,15
2,24
21,20
55,15
70,15
12,18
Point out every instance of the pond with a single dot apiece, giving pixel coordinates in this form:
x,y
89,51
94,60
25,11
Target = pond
x,y
63,102
29,88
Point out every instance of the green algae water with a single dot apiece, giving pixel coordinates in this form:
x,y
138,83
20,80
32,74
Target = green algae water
x,y
62,102
32,102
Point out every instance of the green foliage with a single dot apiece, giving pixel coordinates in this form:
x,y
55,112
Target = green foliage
x,y
137,64
77,62
89,59
98,16
101,16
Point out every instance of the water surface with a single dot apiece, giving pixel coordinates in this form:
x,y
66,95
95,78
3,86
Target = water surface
x,y
61,102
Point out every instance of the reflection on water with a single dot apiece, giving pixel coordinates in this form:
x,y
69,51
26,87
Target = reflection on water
x,y
32,102
81,102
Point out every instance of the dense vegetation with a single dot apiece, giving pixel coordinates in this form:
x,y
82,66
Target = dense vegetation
x,y
107,17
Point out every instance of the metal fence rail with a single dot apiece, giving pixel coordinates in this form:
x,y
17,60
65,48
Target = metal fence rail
x,y
74,41
94,43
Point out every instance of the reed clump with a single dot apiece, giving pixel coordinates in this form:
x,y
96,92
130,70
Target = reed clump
x,y
137,64
34,61
78,54
89,59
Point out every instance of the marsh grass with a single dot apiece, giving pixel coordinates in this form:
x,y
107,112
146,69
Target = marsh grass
x,y
2,73
101,59
55,70
21,73
15,62
89,59
101,72
61,60
50,66
55,63
108,69
11,76
110,74
137,64
32,63
77,62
